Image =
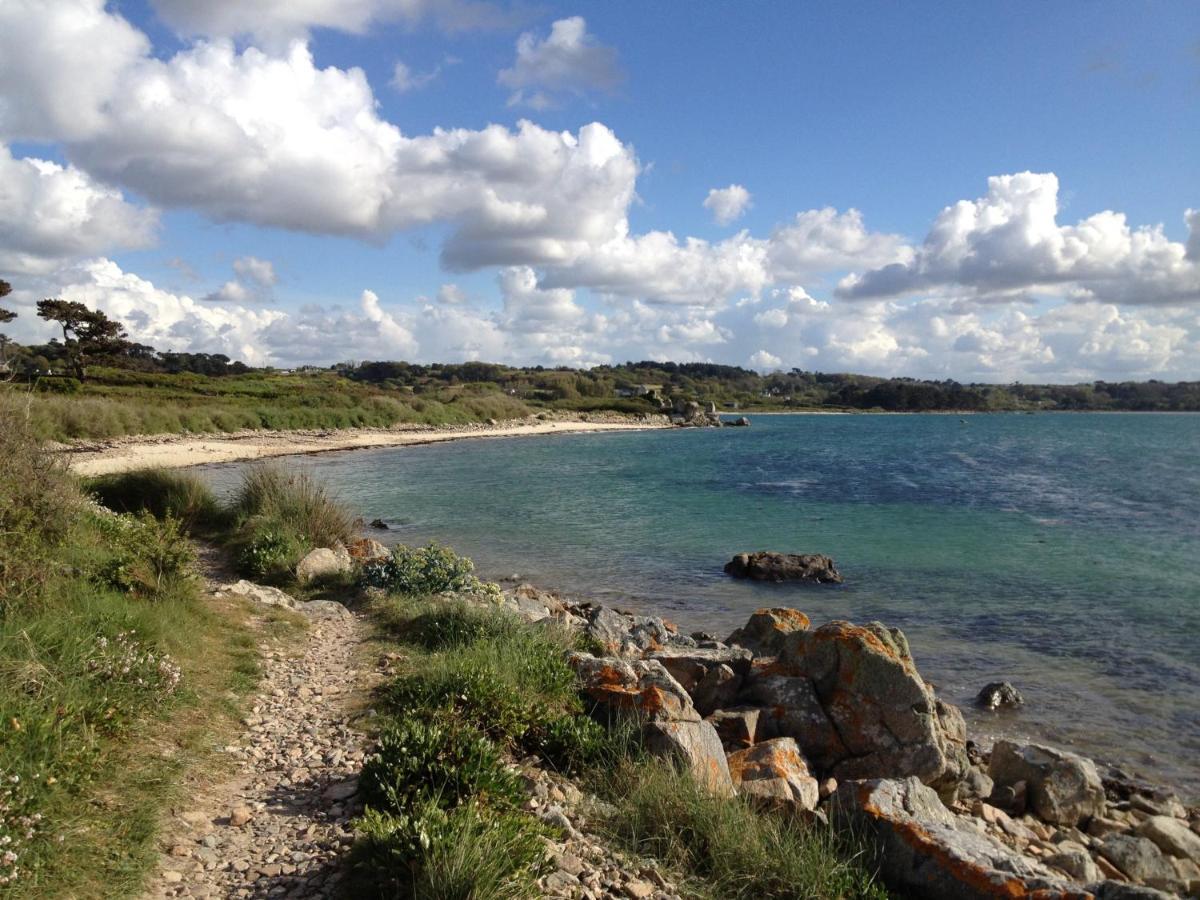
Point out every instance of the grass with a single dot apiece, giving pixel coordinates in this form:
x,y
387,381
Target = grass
x,y
114,677
163,493
482,671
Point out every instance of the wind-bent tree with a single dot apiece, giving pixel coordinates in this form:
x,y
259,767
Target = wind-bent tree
x,y
6,315
87,333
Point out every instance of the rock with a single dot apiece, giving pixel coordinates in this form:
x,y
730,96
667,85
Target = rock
x,y
764,631
341,790
1103,826
259,593
739,422
999,695
368,550
643,687
768,566
712,677
1117,890
625,635
735,727
924,849
321,609
853,699
240,815
775,770
975,785
638,889
696,744
1141,860
379,524
323,563
1172,836
1063,788
1076,863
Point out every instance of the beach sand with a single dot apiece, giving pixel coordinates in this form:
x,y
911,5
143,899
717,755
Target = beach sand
x,y
177,451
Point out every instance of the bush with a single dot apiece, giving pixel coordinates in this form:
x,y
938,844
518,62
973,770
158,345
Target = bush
x,y
438,760
147,558
442,625
466,853
180,495
417,571
663,812
269,551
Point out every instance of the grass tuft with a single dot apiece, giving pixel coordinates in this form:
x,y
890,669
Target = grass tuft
x,y
164,493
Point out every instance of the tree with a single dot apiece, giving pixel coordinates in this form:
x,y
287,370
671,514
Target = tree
x,y
6,315
86,332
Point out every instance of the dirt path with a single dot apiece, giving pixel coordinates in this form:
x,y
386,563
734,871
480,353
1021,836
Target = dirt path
x,y
280,827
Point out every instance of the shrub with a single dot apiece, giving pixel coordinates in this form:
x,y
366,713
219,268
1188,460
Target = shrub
x,y
437,760
442,625
146,557
269,550
163,492
270,494
418,571
466,853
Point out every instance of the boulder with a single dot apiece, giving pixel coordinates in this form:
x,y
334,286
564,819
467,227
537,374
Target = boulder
x,y
368,550
765,630
1077,863
379,524
323,609
853,699
775,770
1062,788
767,566
1119,890
739,422
999,695
1172,836
638,686
323,563
623,634
736,727
712,676
925,850
533,604
696,744
1141,860
259,593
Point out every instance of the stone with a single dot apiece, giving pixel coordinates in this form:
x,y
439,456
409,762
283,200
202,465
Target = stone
x,y
975,785
736,727
379,524
719,687
323,563
341,790
240,815
764,631
259,593
739,422
622,634
853,699
999,695
1172,836
322,609
1076,863
643,687
1063,788
769,566
1117,890
638,889
697,745
1141,860
712,677
775,770
924,849
368,550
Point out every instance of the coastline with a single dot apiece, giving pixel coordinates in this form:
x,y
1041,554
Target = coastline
x,y
174,451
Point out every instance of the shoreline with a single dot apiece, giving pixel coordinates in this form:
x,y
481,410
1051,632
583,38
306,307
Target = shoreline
x,y
176,451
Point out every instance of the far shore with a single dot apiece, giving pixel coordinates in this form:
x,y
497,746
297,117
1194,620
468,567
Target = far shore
x,y
174,451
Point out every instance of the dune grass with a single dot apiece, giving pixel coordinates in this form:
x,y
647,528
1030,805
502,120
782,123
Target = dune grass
x,y
163,493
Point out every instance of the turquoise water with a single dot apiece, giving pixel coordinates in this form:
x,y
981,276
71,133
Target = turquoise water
x,y
1059,551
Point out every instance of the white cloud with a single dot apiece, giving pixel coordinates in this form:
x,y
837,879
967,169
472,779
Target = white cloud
x,y
526,306
824,240
1010,241
764,361
53,213
727,204
405,79
451,294
568,61
259,271
255,280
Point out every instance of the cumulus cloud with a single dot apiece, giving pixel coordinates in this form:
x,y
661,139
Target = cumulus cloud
x,y
727,204
1010,241
764,361
255,280
258,271
404,79
823,240
53,213
567,62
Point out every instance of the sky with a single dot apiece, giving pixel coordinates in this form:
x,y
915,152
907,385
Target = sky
x,y
987,191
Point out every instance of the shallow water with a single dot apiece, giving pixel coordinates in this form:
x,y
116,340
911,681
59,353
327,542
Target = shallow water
x,y
1059,551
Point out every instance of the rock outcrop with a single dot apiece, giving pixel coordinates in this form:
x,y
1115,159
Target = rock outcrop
x,y
775,770
1061,788
768,566
764,632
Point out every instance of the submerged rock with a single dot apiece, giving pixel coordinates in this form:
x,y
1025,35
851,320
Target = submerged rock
x,y
767,566
1062,788
999,695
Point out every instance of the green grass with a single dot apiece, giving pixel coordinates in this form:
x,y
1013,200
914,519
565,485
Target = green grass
x,y
180,495
114,677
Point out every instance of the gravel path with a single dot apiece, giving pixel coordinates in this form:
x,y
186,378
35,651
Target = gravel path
x,y
279,828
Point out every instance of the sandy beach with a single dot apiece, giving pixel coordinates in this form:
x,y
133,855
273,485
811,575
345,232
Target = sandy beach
x,y
173,451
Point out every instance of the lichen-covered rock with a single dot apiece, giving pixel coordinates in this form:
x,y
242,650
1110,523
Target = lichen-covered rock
x,y
696,744
1141,860
775,770
737,727
323,563
622,634
768,566
1061,788
865,712
711,676
638,686
366,550
765,630
923,848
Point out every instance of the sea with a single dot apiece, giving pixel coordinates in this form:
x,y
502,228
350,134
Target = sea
x,y
1058,551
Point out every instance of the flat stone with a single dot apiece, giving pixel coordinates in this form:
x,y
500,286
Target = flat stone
x,y
1172,836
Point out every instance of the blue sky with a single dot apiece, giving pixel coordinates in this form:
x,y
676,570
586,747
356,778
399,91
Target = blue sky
x,y
895,111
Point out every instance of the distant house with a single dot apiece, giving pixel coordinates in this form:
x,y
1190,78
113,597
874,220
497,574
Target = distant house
x,y
640,390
